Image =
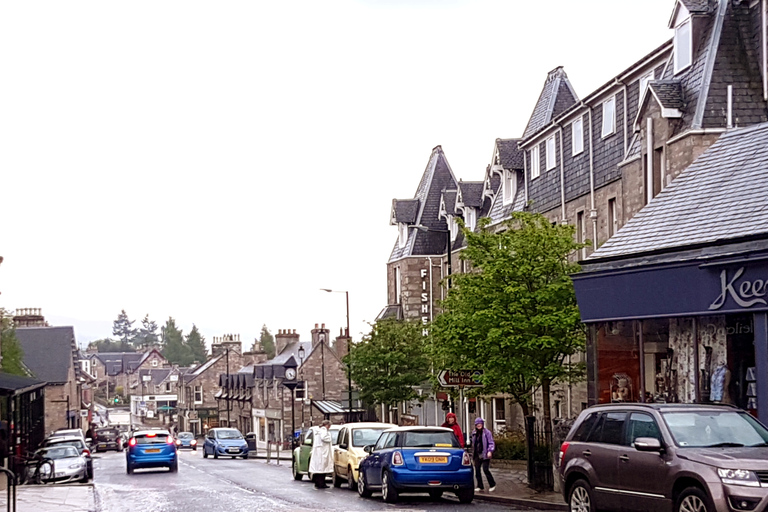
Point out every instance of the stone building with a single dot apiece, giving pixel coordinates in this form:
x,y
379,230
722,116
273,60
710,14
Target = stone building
x,y
154,396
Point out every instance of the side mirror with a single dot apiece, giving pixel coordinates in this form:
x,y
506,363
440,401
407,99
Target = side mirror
x,y
368,448
647,444
343,446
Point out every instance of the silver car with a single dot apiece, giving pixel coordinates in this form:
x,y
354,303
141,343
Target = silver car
x,y
67,465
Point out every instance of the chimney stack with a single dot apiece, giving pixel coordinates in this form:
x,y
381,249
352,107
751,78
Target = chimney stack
x,y
283,338
321,334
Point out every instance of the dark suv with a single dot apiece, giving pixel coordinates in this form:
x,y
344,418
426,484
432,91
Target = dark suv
x,y
681,457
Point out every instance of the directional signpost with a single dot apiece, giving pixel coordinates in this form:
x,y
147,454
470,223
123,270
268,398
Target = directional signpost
x,y
461,379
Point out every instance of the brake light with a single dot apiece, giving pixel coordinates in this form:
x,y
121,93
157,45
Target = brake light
x,y
397,459
466,460
151,435
132,442
169,440
563,449
87,452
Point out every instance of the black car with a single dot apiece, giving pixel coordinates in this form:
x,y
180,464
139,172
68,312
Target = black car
x,y
108,438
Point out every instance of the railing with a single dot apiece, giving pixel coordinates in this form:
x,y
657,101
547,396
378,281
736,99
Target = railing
x,y
11,478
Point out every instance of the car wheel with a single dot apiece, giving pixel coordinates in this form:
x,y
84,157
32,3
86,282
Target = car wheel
x,y
245,456
580,497
174,467
435,494
351,479
388,491
215,454
693,499
129,469
362,486
205,453
295,470
337,481
466,495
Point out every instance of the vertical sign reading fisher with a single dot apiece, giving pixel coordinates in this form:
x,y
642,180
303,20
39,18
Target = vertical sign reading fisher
x,y
425,302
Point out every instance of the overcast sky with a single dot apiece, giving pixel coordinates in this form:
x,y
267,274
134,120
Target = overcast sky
x,y
220,162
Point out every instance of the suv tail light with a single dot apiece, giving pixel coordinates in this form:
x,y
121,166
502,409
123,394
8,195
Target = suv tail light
x,y
397,459
132,442
563,449
466,460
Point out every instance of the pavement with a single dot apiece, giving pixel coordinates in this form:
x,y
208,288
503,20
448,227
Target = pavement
x,y
512,489
52,498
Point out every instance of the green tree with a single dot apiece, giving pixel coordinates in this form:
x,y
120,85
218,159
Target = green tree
x,y
196,346
13,355
108,345
515,314
122,327
147,335
389,362
174,348
267,342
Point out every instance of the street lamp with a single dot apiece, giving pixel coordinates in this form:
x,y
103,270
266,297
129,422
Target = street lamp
x,y
447,244
349,349
302,353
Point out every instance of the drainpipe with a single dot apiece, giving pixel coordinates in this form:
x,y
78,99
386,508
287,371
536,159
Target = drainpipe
x,y
649,159
729,107
525,176
592,211
765,50
624,119
564,219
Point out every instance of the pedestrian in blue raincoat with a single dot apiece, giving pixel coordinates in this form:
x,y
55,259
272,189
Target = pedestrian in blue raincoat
x,y
482,451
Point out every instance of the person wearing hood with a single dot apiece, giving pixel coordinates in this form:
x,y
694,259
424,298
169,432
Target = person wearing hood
x,y
482,451
450,422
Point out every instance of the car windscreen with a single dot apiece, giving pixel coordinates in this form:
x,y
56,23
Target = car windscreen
x,y
152,438
229,434
365,436
715,429
424,439
76,443
58,452
186,435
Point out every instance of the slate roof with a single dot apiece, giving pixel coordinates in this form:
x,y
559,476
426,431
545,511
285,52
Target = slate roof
x,y
437,177
15,385
500,211
721,196
393,311
449,200
119,362
158,375
48,351
698,6
405,210
510,154
669,93
472,193
556,97
189,377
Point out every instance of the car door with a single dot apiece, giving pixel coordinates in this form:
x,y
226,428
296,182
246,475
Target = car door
x,y
602,450
341,453
376,459
642,475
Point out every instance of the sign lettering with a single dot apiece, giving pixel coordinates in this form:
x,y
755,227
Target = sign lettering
x,y
745,294
425,305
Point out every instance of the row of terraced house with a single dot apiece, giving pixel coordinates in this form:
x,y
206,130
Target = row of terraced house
x,y
597,162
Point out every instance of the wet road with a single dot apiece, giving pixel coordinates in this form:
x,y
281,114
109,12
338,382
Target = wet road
x,y
236,485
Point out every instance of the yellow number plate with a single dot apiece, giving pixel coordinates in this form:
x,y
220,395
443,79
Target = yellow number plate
x,y
433,460
152,450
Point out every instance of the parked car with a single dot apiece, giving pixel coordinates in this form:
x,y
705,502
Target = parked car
x,y
681,457
303,453
71,432
186,440
225,442
67,465
78,443
416,459
353,437
108,438
151,449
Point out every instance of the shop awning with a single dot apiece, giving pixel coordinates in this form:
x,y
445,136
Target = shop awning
x,y
332,407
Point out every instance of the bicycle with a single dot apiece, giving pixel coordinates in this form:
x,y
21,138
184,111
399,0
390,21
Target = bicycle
x,y
33,470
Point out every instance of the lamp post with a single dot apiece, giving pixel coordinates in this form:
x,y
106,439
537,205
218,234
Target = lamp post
x,y
302,353
447,244
349,349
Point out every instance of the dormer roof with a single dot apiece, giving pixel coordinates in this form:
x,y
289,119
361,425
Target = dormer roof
x,y
695,7
510,154
447,203
404,211
555,98
470,193
668,94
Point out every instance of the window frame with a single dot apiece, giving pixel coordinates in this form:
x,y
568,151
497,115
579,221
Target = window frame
x,y
194,394
550,152
535,162
580,121
647,79
603,132
470,218
509,186
402,234
675,50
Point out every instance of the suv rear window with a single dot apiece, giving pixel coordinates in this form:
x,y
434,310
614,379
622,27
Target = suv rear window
x,y
152,438
609,428
584,428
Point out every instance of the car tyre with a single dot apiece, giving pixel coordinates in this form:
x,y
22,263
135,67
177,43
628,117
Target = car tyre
x,y
295,470
694,499
337,481
351,479
129,468
174,467
435,494
362,487
388,491
215,454
245,456
580,497
205,453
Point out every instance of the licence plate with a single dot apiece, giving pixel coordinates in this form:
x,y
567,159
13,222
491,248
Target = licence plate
x,y
233,450
152,450
58,475
433,460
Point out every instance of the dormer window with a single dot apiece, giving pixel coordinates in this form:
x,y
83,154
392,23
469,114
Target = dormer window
x,y
609,116
535,162
644,81
551,155
577,136
154,362
453,226
509,186
683,45
402,236
470,217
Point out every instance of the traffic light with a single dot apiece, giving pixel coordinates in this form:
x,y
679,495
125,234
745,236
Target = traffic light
x,y
117,399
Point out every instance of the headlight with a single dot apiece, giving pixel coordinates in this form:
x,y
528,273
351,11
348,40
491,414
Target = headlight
x,y
738,477
76,465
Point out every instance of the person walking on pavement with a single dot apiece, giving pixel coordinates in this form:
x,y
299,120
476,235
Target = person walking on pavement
x,y
450,422
482,451
321,461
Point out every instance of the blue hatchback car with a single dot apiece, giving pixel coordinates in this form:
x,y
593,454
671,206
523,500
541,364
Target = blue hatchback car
x,y
225,442
151,449
416,459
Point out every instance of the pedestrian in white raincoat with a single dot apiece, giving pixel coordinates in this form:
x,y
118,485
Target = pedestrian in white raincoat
x,y
321,461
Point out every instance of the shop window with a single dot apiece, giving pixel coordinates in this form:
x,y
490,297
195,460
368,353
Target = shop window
x,y
618,359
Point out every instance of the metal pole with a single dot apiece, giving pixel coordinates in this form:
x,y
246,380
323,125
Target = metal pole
x,y
293,421
349,369
448,249
460,410
228,423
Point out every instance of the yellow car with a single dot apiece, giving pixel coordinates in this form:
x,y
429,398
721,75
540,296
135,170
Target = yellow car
x,y
347,454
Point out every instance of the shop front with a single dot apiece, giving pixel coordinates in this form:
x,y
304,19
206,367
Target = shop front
x,y
681,327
